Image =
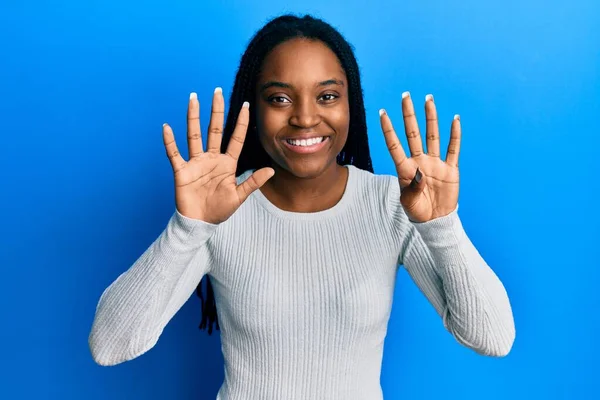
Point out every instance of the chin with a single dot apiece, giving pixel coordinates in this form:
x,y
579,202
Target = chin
x,y
308,169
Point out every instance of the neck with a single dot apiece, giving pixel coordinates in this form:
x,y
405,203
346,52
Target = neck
x,y
291,193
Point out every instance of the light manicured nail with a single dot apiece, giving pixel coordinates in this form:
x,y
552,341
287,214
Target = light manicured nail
x,y
165,124
381,112
405,94
218,90
246,105
429,97
193,96
456,117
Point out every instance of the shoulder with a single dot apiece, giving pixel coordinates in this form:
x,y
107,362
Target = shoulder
x,y
377,188
382,194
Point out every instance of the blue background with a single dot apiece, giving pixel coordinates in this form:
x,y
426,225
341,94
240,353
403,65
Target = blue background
x,y
86,85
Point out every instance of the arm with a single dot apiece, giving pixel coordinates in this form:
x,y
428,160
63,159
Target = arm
x,y
133,311
436,251
457,281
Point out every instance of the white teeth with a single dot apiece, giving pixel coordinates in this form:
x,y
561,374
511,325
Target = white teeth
x,y
306,142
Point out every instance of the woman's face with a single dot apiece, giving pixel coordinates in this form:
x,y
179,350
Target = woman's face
x,y
302,107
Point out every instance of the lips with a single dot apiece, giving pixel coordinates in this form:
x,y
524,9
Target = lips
x,y
306,145
306,142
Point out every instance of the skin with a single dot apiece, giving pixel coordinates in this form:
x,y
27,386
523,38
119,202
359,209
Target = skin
x,y
302,90
310,97
435,194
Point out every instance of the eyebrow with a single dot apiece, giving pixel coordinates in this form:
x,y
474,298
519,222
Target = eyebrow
x,y
284,85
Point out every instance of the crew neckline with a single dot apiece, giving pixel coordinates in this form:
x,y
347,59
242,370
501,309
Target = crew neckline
x,y
317,215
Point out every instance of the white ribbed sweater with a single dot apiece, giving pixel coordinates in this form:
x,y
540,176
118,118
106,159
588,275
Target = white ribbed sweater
x,y
304,299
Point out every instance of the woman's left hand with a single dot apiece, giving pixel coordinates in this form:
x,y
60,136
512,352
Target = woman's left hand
x,y
429,186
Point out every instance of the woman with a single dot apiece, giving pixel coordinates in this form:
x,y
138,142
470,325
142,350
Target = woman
x,y
300,239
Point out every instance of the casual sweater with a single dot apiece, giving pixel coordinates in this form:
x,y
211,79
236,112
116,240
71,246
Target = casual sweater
x,y
304,299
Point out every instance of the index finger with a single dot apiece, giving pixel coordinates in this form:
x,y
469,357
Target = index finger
x,y
391,139
454,144
236,142
177,162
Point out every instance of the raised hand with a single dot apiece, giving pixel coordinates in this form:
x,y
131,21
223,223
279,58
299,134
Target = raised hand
x,y
205,185
429,186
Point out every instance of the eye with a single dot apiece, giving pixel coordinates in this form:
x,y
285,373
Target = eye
x,y
278,99
328,97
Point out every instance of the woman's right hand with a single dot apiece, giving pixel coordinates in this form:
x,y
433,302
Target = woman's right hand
x,y
205,186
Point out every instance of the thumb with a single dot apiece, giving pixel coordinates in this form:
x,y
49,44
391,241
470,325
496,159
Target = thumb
x,y
255,181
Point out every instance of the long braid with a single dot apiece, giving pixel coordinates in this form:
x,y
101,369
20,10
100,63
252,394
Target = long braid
x,y
253,156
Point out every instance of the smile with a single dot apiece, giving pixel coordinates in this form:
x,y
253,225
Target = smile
x,y
306,146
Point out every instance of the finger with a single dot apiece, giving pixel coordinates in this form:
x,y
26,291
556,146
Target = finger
x,y
217,116
432,129
454,145
255,181
177,162
194,137
411,127
391,139
234,148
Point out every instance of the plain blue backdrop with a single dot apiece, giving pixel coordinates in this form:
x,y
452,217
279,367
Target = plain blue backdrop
x,y
86,85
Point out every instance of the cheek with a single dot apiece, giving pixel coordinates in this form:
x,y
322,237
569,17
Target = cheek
x,y
268,124
340,115
340,120
269,121
267,128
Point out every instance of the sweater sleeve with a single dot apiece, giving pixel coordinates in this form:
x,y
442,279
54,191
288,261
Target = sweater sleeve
x,y
133,311
467,294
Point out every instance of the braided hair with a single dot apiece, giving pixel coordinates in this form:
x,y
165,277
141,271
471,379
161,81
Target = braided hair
x,y
253,156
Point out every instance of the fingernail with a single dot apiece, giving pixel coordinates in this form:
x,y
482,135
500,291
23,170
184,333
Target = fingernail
x,y
193,96
165,124
381,112
456,117
418,175
429,97
405,94
246,104
417,179
218,90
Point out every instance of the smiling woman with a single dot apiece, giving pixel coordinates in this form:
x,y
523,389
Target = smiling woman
x,y
283,216
302,96
302,122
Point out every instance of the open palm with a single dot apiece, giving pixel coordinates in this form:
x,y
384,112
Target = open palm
x,y
429,185
205,185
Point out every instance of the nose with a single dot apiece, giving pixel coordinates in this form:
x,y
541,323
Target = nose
x,y
305,115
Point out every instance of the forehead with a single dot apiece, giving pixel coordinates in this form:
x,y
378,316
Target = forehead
x,y
301,60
